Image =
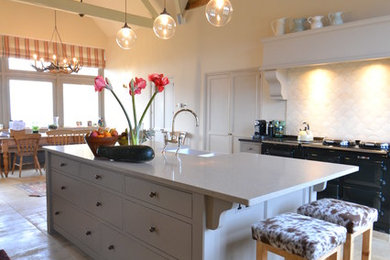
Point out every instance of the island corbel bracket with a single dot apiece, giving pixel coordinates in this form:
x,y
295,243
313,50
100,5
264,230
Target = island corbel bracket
x,y
214,210
319,187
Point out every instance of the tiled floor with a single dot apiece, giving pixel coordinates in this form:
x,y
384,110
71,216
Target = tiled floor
x,y
23,232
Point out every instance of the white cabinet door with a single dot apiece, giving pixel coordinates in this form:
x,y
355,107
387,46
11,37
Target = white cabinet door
x,y
218,114
232,106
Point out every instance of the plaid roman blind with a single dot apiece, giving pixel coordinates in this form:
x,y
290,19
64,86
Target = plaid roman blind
x,y
18,47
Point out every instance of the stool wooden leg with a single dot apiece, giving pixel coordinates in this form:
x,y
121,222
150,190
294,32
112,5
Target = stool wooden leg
x,y
261,251
367,239
348,248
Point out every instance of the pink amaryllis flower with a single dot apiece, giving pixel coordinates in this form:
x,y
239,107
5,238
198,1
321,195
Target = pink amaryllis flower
x,y
159,80
100,84
138,85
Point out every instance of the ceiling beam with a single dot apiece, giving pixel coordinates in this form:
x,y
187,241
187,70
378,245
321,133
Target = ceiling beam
x,y
91,10
180,11
150,8
196,3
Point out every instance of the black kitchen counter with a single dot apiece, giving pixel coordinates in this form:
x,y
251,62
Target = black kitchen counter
x,y
317,143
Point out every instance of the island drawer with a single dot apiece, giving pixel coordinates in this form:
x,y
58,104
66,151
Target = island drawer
x,y
117,246
177,201
66,187
102,177
103,204
65,165
79,225
164,232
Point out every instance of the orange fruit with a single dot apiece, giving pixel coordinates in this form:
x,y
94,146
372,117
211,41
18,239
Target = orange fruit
x,y
107,134
100,136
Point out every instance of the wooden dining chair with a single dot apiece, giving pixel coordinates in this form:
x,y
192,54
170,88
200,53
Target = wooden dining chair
x,y
27,145
78,136
17,132
1,168
59,137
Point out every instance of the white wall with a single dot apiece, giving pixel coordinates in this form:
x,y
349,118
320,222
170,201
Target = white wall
x,y
199,48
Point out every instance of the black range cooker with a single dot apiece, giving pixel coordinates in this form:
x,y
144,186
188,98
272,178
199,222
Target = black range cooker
x,y
369,186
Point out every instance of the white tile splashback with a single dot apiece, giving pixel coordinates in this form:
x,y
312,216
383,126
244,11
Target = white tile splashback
x,y
348,100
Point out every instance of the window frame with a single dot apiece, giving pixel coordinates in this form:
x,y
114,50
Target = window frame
x,y
57,80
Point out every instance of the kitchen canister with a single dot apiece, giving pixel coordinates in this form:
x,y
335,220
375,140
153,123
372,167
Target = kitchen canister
x,y
298,24
335,18
278,26
315,21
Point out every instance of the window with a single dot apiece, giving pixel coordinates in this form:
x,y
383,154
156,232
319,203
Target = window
x,y
81,103
20,64
88,71
31,101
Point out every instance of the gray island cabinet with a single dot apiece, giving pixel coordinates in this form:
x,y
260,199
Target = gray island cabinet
x,y
186,207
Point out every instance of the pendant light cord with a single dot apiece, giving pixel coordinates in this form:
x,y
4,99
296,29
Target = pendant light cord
x,y
125,11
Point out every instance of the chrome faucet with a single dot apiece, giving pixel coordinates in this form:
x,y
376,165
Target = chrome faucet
x,y
180,138
184,110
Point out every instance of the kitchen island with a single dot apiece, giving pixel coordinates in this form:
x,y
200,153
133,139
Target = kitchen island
x,y
187,207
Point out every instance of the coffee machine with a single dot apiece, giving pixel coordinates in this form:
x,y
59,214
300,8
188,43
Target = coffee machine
x,y
260,129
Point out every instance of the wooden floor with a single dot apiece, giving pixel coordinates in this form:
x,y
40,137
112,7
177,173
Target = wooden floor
x,y
23,232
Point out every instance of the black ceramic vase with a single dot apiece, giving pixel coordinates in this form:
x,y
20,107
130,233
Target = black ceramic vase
x,y
127,153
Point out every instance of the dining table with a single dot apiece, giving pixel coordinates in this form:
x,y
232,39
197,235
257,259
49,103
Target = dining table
x,y
8,145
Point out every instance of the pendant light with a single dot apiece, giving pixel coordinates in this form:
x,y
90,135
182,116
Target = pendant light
x,y
126,37
219,12
164,25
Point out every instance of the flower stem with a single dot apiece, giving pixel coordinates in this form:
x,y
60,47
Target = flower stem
x,y
147,107
134,113
127,116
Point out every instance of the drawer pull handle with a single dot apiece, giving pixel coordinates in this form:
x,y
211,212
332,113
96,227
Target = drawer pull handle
x,y
98,177
98,204
363,157
63,187
153,194
152,229
250,149
57,213
88,233
62,164
111,247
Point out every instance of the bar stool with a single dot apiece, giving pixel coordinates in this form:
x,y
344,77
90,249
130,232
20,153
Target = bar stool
x,y
298,237
357,219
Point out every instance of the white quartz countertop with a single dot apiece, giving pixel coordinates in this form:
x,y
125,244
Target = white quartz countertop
x,y
241,178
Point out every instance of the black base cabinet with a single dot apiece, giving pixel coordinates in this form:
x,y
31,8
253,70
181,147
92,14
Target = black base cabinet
x,y
369,186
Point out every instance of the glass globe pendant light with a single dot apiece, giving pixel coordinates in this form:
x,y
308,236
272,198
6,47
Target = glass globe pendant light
x,y
126,37
164,25
219,12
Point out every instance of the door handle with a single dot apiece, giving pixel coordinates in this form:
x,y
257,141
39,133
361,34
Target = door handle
x,y
230,134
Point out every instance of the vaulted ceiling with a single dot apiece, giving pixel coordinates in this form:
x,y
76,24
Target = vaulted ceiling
x,y
109,14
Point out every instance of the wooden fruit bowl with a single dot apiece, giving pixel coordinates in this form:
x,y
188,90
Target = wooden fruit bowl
x,y
95,142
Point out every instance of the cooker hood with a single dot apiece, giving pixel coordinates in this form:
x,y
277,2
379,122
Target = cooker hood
x,y
354,41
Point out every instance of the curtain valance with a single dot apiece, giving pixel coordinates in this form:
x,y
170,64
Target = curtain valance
x,y
25,48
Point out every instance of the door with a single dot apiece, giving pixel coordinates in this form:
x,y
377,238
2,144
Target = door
x,y
162,111
232,107
219,138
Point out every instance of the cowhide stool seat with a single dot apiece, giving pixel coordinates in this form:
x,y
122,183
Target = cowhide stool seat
x,y
297,237
357,219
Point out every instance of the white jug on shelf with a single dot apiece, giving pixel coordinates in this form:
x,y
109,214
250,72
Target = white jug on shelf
x,y
315,21
335,18
278,26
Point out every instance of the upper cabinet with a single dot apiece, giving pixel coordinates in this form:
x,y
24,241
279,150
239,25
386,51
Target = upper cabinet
x,y
353,41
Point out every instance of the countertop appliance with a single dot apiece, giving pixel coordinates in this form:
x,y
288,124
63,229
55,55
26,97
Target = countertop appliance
x,y
260,129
